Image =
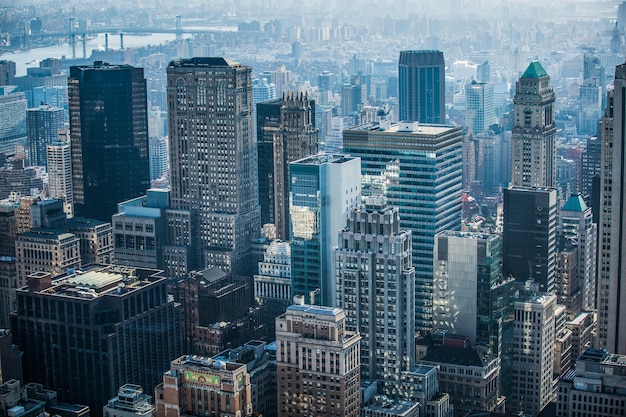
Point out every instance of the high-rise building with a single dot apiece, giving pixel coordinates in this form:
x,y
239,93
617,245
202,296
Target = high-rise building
x,y
479,106
590,99
262,90
109,137
139,230
201,386
59,164
159,157
534,130
286,132
12,120
533,354
43,124
576,223
86,333
590,169
611,290
39,77
470,296
323,190
7,72
529,235
272,285
314,347
215,212
376,289
422,87
429,203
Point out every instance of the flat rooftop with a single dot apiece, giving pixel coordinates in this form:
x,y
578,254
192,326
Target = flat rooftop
x,y
323,158
405,128
317,310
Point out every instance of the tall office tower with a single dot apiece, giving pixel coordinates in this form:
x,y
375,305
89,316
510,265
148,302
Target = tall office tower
x,y
494,172
590,168
139,229
286,133
8,267
590,100
326,81
59,166
479,107
109,137
567,285
323,190
471,298
159,157
201,386
529,235
7,72
85,334
611,302
43,124
272,285
428,204
533,355
12,120
213,174
422,86
576,223
313,344
621,15
534,130
281,78
262,90
353,95
374,257
39,77
483,72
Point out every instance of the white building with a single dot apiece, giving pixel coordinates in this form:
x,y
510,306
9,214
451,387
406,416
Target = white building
x,y
131,401
60,172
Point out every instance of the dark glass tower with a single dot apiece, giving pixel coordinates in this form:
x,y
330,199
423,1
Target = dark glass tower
x,y
422,87
109,136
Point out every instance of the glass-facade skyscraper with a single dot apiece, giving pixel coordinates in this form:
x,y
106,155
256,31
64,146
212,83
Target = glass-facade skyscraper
x,y
109,137
428,189
422,86
323,190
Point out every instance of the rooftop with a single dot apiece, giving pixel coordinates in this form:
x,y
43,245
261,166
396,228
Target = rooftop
x,y
413,128
203,62
323,158
456,356
534,70
575,203
317,310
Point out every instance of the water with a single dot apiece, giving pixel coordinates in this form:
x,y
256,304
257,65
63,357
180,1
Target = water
x,y
31,58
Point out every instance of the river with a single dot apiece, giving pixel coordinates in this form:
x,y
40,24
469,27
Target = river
x,y
30,58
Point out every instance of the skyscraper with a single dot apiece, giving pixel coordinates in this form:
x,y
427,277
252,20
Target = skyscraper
x,y
323,190
313,346
214,203
534,130
612,227
86,334
109,137
422,86
12,120
479,107
576,223
376,289
428,162
43,124
59,164
286,132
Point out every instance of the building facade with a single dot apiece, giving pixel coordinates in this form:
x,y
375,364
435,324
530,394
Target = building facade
x,y
323,190
96,329
376,289
201,386
109,137
422,86
313,347
611,302
534,130
533,354
215,207
12,120
479,106
42,127
59,164
529,235
428,203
